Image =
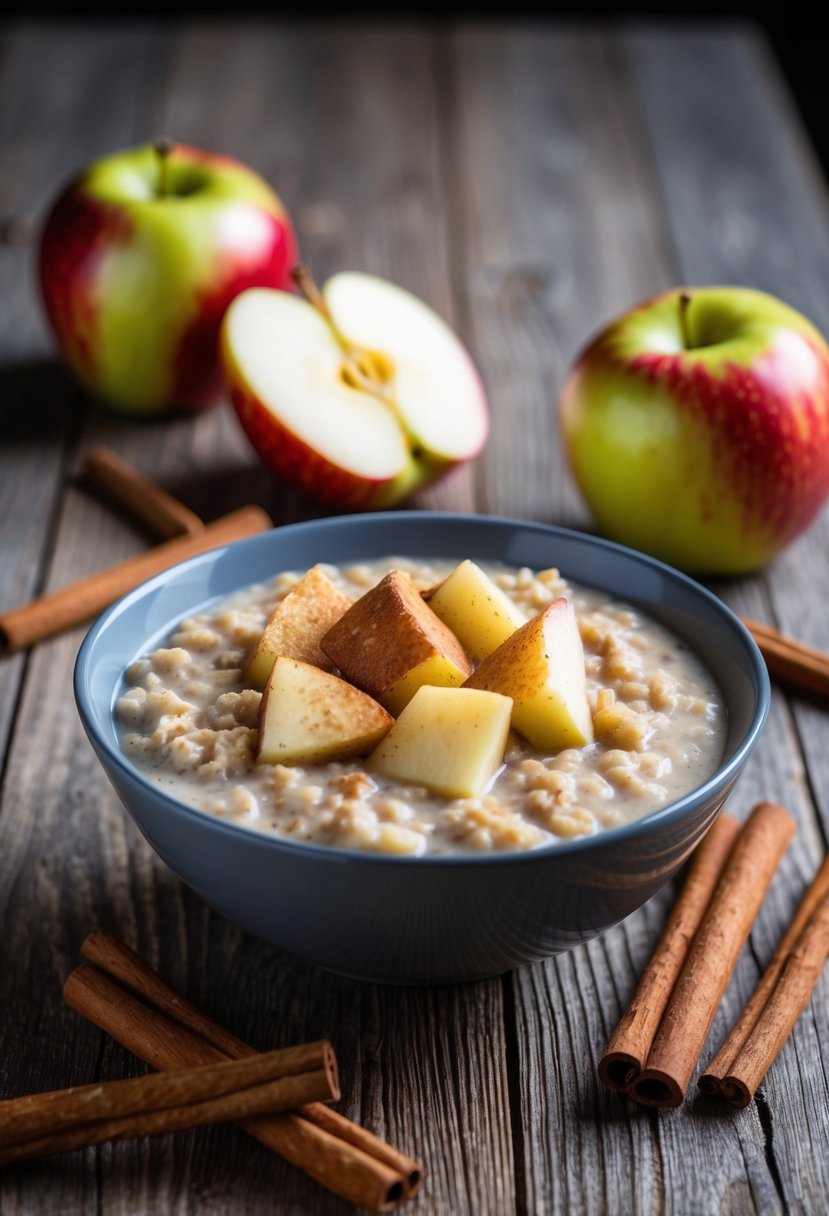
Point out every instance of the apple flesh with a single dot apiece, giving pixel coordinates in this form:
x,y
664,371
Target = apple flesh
x,y
390,643
450,740
140,257
477,611
541,667
308,716
697,427
297,625
358,399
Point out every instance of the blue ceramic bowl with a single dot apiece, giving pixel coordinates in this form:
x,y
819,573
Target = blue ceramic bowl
x,y
433,919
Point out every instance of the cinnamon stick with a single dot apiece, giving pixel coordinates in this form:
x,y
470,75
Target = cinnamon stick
x,y
163,1044
711,1080
72,605
712,957
628,1049
791,661
350,1161
146,501
39,1124
118,960
788,999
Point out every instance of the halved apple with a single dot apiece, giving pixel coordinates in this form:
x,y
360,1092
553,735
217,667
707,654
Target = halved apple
x,y
310,716
541,666
358,398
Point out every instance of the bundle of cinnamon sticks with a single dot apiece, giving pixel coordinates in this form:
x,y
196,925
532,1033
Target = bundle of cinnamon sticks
x,y
657,1044
207,1075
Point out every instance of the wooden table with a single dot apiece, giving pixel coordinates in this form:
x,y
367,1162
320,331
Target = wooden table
x,y
530,182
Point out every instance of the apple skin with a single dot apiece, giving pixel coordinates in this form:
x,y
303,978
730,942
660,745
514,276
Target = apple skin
x,y
711,456
135,283
301,466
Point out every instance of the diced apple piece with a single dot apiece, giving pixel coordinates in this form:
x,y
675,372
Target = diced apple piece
x,y
297,624
451,740
308,715
541,666
477,611
438,671
390,643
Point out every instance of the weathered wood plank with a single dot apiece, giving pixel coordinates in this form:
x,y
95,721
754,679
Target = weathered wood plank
x,y
296,86
727,145
555,239
51,119
352,144
47,128
554,121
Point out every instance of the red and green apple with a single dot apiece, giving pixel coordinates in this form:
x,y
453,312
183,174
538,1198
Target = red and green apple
x,y
359,394
697,427
139,258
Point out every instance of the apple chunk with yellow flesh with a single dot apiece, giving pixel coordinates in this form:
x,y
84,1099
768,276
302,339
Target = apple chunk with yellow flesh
x,y
297,624
451,740
310,716
541,666
390,643
477,611
358,394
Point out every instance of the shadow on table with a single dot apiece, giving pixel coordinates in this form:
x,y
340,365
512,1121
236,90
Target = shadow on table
x,y
38,401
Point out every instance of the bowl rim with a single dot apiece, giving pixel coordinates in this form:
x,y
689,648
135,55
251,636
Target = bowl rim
x,y
664,816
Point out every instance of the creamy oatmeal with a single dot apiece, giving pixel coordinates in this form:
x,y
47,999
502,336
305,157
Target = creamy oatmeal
x,y
190,723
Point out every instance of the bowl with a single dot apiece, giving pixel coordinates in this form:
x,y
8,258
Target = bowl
x,y
419,920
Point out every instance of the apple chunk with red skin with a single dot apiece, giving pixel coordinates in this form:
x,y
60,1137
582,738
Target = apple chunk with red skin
x,y
390,643
358,398
139,258
697,427
541,666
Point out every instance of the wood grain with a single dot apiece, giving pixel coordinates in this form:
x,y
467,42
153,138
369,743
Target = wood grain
x,y
563,1015
77,859
44,133
529,181
773,236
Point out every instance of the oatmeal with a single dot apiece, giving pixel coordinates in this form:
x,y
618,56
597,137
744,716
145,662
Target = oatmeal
x,y
190,722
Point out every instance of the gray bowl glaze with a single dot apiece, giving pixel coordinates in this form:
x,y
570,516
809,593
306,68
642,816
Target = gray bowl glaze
x,y
421,920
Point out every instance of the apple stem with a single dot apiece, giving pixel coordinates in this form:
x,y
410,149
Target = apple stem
x,y
163,146
685,298
355,359
306,283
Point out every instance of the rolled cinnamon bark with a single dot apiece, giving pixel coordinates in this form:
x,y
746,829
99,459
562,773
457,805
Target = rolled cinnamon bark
x,y
40,1124
118,960
72,605
146,501
788,999
712,957
350,1170
628,1049
790,660
711,1080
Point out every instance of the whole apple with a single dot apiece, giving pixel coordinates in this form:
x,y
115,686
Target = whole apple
x,y
697,427
359,394
140,257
